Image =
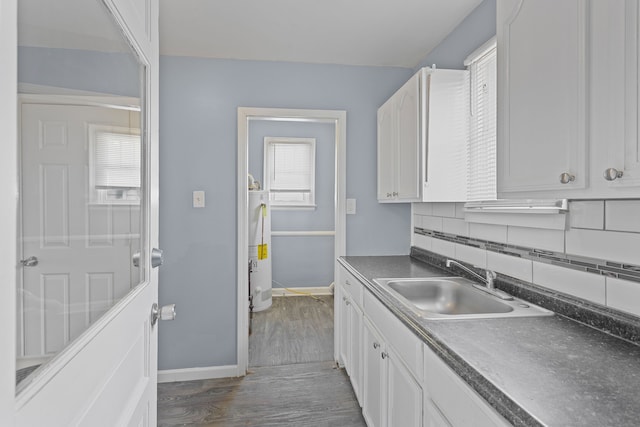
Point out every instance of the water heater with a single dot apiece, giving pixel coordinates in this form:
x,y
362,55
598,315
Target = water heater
x,y
260,250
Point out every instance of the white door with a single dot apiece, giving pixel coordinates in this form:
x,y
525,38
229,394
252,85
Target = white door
x,y
106,374
81,224
78,255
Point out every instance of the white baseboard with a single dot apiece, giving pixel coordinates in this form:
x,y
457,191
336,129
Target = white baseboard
x,y
190,374
298,292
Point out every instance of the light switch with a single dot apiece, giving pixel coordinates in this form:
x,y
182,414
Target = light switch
x,y
351,206
198,199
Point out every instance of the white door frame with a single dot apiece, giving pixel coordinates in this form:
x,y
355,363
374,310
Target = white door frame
x,y
245,116
8,205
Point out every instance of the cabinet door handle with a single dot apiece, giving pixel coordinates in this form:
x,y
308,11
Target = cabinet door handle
x,y
388,194
347,282
344,298
566,178
384,355
376,345
612,174
395,193
347,302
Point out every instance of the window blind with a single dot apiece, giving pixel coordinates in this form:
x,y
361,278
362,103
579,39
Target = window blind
x,y
482,142
290,171
116,160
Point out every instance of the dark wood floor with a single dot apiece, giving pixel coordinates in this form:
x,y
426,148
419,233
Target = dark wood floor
x,y
293,380
295,329
305,394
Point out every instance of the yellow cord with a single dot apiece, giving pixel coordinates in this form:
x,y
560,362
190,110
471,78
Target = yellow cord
x,y
299,292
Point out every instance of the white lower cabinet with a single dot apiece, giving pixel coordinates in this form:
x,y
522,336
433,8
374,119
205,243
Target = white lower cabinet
x,y
404,397
350,329
449,401
355,350
392,396
374,378
392,393
398,380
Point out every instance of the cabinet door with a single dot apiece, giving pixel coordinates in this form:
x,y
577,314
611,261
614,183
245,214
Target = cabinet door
x,y
404,406
355,351
626,159
407,101
457,402
374,375
344,330
542,93
386,152
614,91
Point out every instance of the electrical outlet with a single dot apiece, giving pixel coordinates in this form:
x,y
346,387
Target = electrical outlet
x,y
198,199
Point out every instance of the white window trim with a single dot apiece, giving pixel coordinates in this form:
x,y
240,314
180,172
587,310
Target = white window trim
x,y
268,140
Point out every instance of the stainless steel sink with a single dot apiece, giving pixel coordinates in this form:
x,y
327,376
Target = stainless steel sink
x,y
455,298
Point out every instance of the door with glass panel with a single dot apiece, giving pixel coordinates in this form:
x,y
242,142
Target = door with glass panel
x,y
86,347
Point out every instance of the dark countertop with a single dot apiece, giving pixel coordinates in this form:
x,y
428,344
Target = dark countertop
x,y
549,371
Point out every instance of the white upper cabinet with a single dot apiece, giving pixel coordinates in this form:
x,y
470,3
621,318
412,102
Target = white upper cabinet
x,y
399,145
422,137
615,114
568,99
542,92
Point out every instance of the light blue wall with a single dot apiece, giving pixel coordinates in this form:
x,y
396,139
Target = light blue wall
x,y
300,261
198,111
478,27
199,98
112,73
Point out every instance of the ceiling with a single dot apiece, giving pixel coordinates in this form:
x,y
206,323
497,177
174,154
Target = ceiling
x,y
70,24
351,32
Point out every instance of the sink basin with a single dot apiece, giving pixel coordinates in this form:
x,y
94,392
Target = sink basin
x,y
455,298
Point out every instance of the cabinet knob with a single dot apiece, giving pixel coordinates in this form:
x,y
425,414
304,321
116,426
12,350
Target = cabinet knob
x,y
384,355
612,174
344,298
347,302
395,193
347,282
376,345
566,178
388,194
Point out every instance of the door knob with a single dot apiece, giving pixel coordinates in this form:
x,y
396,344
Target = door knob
x,y
612,174
32,261
167,312
566,178
156,257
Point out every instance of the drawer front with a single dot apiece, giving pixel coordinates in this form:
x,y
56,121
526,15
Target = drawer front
x,y
353,287
454,398
395,333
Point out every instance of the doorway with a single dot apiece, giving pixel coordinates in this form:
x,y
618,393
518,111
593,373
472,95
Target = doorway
x,y
247,117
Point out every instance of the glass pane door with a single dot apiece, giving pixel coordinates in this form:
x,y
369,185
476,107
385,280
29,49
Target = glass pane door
x,y
82,169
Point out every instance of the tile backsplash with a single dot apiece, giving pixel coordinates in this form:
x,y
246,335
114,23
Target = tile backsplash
x,y
597,258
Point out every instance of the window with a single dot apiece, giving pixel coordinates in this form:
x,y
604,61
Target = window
x,y
289,171
482,142
114,164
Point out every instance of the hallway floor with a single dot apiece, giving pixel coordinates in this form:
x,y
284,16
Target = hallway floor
x,y
298,383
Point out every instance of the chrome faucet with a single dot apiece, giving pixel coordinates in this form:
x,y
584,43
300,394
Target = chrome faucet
x,y
488,280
